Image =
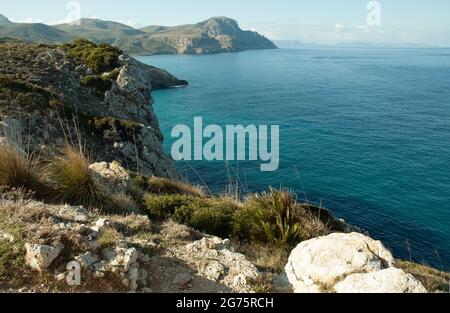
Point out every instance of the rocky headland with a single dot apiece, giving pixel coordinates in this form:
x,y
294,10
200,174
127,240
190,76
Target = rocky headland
x,y
50,95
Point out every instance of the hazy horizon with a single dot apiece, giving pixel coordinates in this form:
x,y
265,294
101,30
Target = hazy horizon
x,y
322,22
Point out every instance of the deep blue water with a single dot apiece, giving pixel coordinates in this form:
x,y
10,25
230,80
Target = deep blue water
x,y
365,132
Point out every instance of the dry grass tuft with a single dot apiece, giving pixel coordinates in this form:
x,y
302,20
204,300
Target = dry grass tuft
x,y
71,177
432,279
109,237
20,172
158,185
265,257
177,232
132,224
122,203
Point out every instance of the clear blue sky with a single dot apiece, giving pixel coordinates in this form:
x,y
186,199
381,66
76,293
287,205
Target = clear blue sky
x,y
283,19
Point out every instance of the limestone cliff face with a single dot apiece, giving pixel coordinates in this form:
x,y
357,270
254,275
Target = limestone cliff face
x,y
215,35
43,99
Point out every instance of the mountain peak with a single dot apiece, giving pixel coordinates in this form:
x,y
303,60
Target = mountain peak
x,y
220,25
104,24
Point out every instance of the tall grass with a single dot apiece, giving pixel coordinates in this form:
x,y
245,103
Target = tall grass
x,y
70,175
276,217
20,171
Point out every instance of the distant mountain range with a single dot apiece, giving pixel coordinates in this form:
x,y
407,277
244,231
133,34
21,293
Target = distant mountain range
x,y
215,35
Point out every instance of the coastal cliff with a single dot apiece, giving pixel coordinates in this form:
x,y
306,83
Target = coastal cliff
x,y
49,94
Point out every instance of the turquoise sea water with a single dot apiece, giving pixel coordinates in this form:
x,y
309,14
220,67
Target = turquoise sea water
x,y
365,132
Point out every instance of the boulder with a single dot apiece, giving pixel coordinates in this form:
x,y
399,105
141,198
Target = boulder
x,y
215,260
390,280
112,176
40,257
319,264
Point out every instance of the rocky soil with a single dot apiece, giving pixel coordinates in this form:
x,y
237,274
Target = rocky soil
x,y
43,246
138,255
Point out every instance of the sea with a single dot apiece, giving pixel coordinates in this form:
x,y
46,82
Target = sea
x,y
363,132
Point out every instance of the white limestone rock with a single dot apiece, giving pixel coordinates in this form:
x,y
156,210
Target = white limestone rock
x,y
391,280
345,263
317,264
112,176
40,257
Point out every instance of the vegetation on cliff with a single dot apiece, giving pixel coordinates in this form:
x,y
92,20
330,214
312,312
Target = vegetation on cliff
x,y
100,58
49,91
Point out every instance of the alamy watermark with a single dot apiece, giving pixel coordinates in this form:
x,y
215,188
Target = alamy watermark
x,y
374,14
73,277
233,143
73,17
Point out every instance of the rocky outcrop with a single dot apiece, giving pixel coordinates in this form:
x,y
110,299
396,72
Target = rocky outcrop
x,y
390,280
111,176
345,263
215,260
40,257
43,99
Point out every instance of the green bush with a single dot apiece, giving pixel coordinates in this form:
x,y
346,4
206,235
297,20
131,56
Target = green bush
x,y
28,96
100,58
214,220
12,254
161,207
212,216
115,124
99,84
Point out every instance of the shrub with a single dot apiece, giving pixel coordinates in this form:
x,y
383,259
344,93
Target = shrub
x,y
26,95
432,279
161,207
19,172
100,85
71,177
100,58
213,216
22,86
116,127
276,218
213,220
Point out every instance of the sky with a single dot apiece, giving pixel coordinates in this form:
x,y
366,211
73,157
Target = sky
x,y
318,21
